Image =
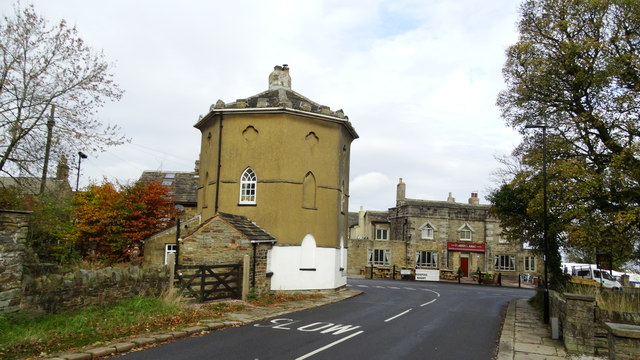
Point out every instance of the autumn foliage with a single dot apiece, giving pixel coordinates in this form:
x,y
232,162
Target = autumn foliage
x,y
110,219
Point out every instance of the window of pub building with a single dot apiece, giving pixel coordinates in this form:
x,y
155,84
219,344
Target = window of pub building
x,y
504,263
379,257
382,234
465,233
427,259
530,263
427,232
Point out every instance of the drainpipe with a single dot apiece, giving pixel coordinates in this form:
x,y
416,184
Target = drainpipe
x,y
215,208
406,241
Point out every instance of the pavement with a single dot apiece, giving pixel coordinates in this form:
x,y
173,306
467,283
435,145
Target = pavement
x,y
524,336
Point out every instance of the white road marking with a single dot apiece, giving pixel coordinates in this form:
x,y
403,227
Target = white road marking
x,y
364,286
435,292
329,345
427,303
408,288
393,287
379,287
393,317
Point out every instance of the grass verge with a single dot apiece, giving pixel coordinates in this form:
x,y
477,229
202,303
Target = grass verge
x,y
27,335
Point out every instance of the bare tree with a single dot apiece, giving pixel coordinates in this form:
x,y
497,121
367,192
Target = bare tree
x,y
44,66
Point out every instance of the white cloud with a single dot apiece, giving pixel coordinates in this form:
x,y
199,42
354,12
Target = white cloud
x,y
418,80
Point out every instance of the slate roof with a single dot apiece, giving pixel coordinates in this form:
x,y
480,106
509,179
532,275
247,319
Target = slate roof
x,y
378,216
184,184
354,218
252,231
31,185
281,98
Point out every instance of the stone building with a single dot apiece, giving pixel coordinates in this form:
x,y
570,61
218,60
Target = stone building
x,y
443,235
281,161
183,184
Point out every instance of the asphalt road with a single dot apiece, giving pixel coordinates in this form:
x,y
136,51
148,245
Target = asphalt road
x,y
390,320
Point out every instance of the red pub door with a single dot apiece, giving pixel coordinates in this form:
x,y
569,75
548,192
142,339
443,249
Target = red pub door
x,y
464,265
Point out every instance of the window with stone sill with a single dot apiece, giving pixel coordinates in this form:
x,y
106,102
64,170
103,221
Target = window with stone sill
x,y
465,234
504,263
427,232
382,234
529,263
427,259
248,182
381,257
169,249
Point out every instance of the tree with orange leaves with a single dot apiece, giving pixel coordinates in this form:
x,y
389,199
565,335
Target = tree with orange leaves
x,y
112,219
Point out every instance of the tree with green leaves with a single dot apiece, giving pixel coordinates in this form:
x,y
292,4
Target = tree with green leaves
x,y
44,67
575,69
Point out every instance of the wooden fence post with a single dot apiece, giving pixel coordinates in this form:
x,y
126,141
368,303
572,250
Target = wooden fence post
x,y
245,277
171,261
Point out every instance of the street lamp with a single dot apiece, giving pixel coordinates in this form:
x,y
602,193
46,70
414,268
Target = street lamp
x,y
545,225
81,156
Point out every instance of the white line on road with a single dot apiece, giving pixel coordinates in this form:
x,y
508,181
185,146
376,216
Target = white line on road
x,y
393,317
435,292
329,345
379,287
427,303
393,287
363,286
408,288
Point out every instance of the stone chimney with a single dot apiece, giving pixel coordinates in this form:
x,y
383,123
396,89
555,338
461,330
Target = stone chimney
x,y
401,191
451,199
474,200
361,225
279,78
62,171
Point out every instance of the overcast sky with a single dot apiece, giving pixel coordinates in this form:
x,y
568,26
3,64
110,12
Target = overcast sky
x,y
418,80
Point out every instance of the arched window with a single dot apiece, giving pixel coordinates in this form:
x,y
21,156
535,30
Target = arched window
x,y
248,182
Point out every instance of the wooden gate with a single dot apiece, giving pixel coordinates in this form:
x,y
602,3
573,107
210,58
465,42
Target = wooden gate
x,y
209,282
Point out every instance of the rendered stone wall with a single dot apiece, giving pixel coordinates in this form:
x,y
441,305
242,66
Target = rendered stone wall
x,y
13,233
49,291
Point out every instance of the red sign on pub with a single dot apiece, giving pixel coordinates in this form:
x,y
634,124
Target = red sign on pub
x,y
462,246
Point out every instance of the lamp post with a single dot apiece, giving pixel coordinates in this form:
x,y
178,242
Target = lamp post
x,y
545,225
81,156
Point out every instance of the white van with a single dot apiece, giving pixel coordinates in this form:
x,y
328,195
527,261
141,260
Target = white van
x,y
591,272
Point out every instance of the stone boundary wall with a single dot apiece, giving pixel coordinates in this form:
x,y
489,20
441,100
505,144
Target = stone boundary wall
x,y
51,292
587,329
13,238
624,341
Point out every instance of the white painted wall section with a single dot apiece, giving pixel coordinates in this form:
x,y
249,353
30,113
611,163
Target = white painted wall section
x,y
289,272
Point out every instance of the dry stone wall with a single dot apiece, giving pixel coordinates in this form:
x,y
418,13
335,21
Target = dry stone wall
x,y
13,235
52,292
